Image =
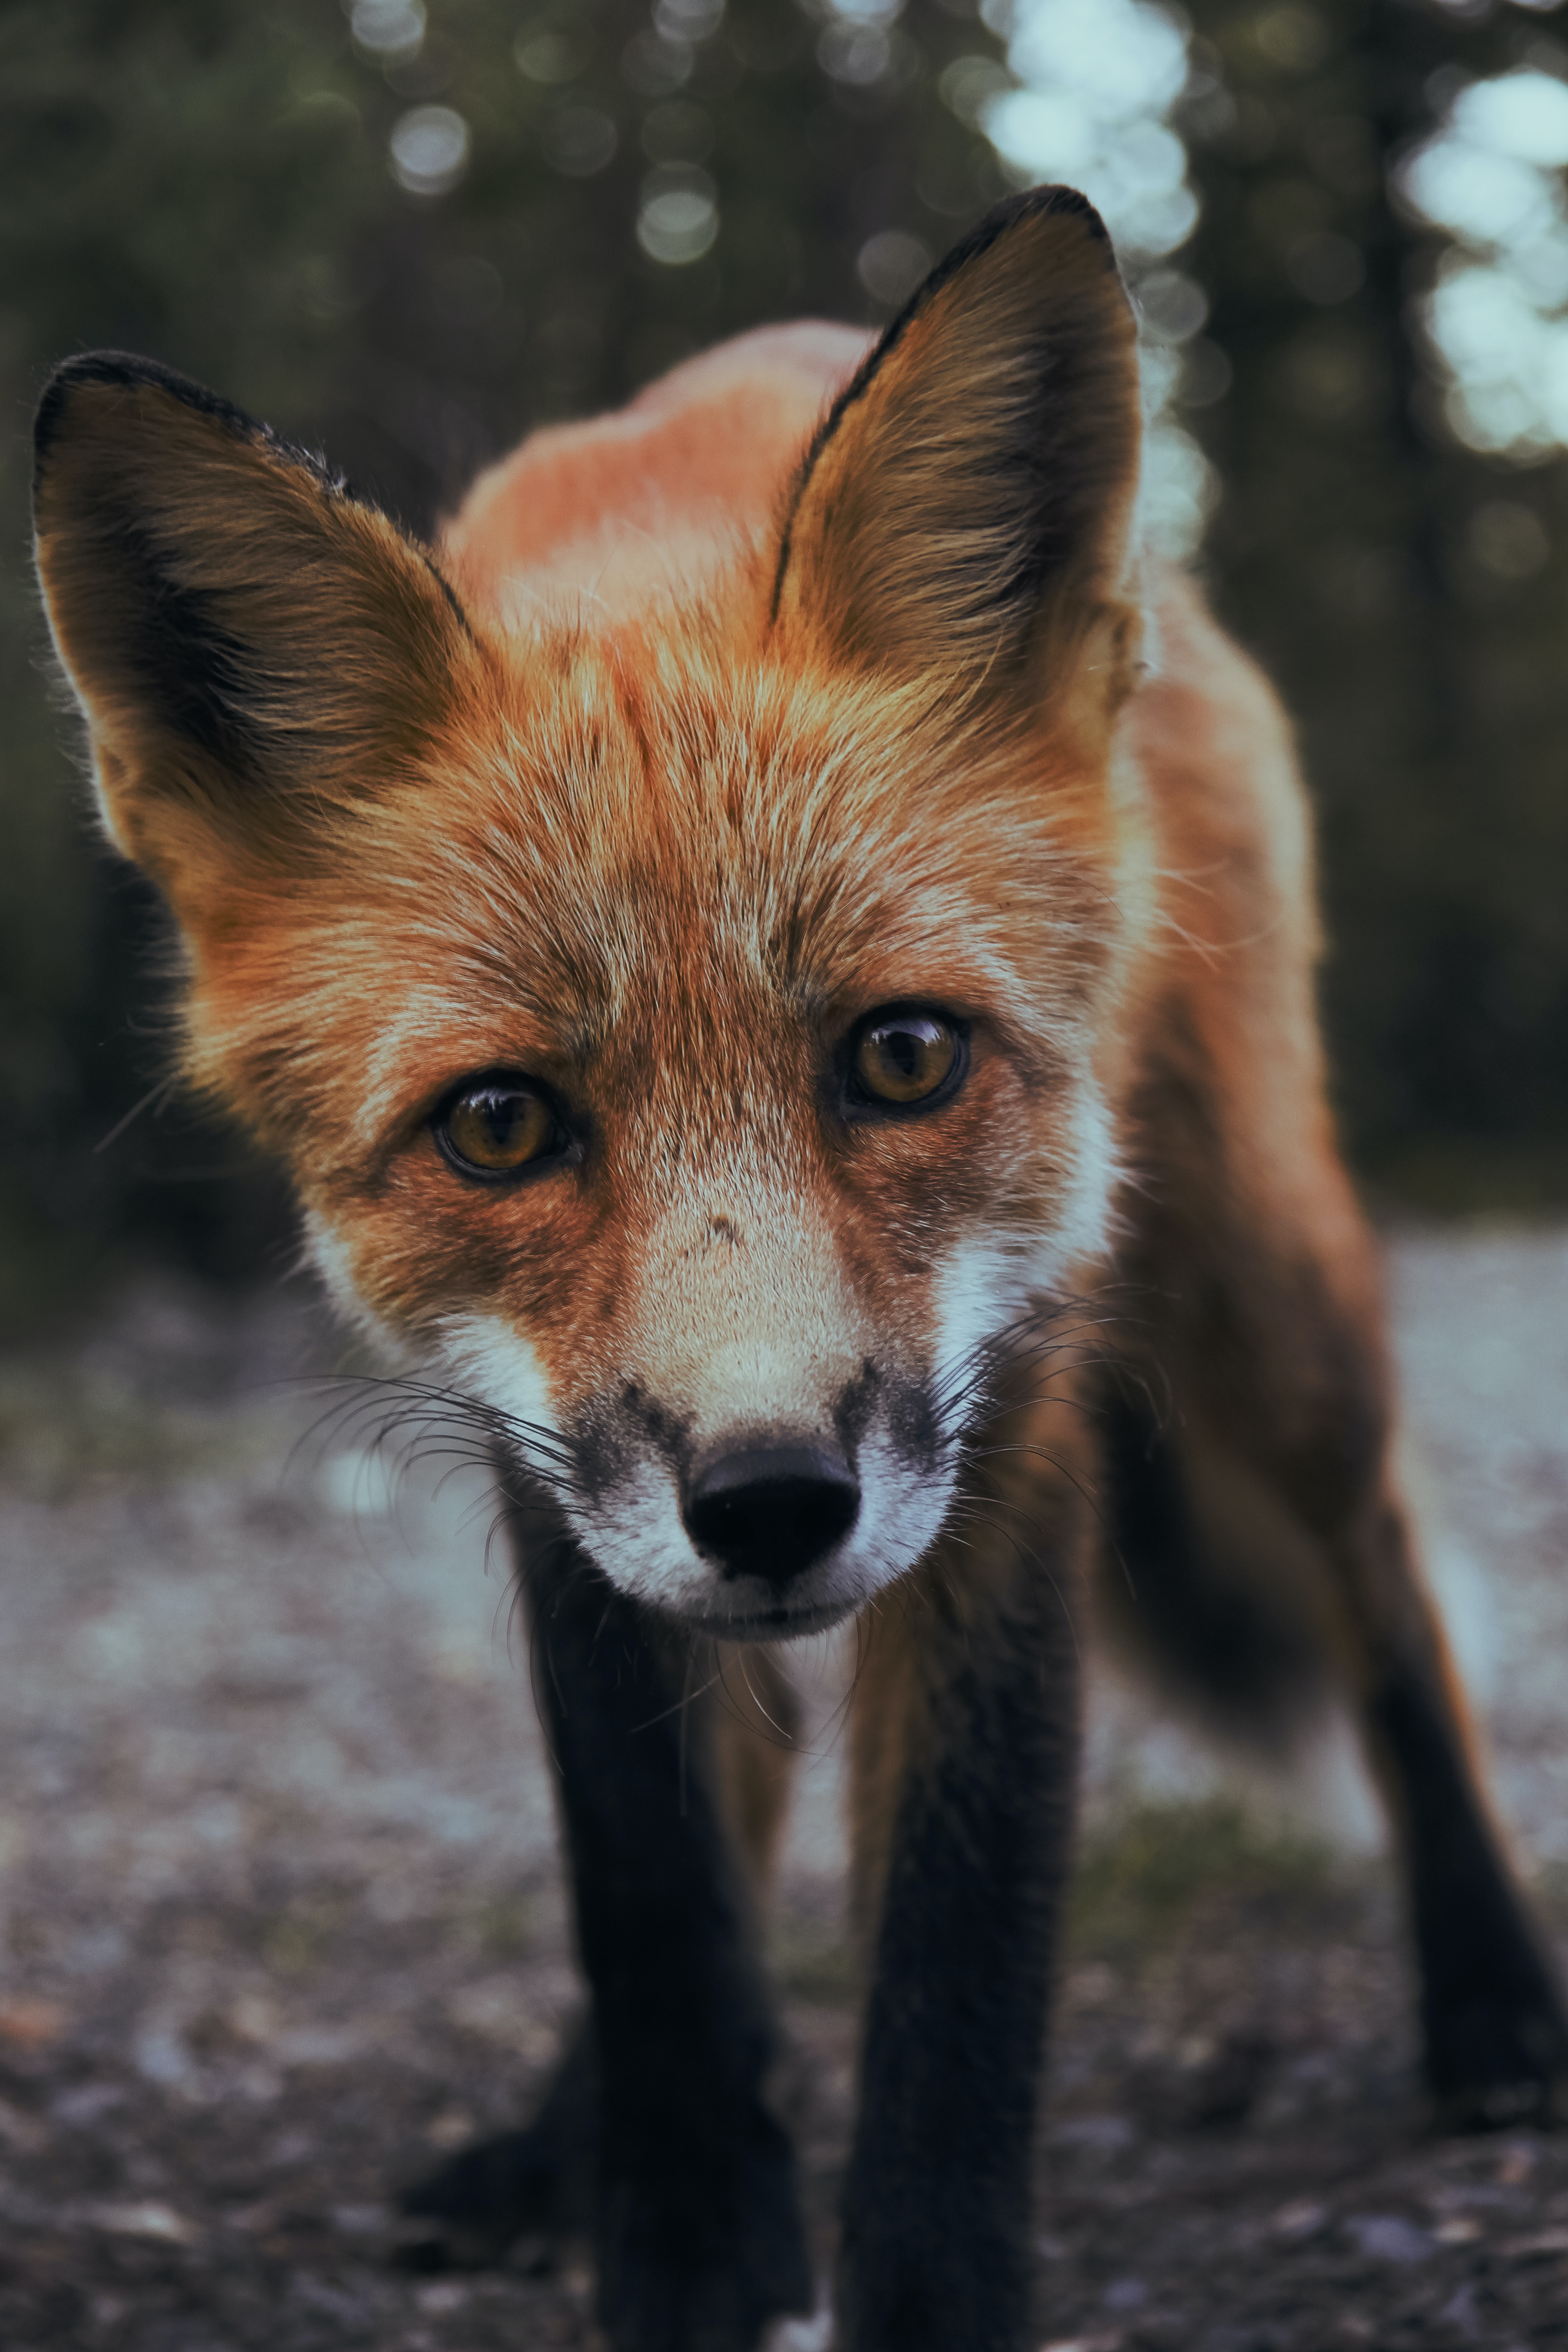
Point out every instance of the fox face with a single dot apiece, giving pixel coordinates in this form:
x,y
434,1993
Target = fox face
x,y
709,1167
684,1033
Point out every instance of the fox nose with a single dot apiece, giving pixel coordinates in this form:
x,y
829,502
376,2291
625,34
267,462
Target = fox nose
x,y
771,1510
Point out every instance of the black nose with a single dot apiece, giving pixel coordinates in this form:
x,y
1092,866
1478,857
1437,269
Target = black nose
x,y
771,1510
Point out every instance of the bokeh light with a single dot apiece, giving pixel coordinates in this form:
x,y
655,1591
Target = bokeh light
x,y
389,29
677,219
1094,85
1492,177
429,149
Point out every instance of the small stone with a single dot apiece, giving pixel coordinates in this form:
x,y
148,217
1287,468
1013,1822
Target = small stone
x,y
1300,2219
151,2219
441,2295
1388,2237
1104,2134
451,2128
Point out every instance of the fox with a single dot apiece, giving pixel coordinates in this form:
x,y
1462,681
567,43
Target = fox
x,y
779,957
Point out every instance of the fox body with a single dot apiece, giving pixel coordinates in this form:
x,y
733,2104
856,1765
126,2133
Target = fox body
x,y
780,961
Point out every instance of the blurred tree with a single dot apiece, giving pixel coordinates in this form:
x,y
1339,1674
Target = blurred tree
x,y
1409,593
407,240
162,178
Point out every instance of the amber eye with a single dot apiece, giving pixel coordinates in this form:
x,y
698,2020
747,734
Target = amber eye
x,y
497,1126
906,1057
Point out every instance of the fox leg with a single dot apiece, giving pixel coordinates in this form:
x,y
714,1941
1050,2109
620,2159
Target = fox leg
x,y
661,2104
965,1757
697,2227
1495,2031
1269,1502
1494,2028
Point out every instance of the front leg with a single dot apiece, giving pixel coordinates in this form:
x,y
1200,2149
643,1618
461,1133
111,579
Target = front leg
x,y
697,2228
966,1743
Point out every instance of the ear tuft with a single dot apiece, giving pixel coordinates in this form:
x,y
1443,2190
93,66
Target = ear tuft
x,y
122,369
969,497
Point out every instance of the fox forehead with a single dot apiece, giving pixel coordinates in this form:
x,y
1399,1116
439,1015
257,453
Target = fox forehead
x,y
670,876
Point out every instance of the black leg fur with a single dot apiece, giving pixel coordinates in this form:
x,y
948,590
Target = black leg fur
x,y
1496,2035
697,2227
537,2182
937,2249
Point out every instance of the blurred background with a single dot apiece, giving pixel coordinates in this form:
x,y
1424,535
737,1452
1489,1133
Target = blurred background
x,y
408,230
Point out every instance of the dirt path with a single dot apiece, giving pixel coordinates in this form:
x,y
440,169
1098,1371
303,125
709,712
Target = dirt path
x,y
281,1919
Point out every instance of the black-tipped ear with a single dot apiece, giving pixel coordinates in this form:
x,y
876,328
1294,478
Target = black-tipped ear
x,y
245,638
968,502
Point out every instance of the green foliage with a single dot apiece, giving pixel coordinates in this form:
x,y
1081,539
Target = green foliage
x,y
1356,550
67,1432
1147,1882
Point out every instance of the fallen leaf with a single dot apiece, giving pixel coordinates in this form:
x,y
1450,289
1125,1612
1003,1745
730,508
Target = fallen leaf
x,y
30,2024
1544,2241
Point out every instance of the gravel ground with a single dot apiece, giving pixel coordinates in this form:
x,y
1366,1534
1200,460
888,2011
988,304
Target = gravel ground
x,y
282,1918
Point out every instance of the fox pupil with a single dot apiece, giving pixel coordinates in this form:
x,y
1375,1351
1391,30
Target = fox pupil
x,y
906,1060
496,1129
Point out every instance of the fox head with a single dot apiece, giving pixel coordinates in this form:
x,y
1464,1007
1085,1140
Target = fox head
x,y
687,1032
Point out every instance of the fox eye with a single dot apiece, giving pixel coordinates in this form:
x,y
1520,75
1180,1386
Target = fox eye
x,y
494,1127
903,1058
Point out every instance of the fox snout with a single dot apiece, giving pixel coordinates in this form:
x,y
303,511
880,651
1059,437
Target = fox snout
x,y
758,1527
771,1511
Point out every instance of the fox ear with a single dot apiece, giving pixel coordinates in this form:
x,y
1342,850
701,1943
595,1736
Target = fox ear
x,y
964,512
251,644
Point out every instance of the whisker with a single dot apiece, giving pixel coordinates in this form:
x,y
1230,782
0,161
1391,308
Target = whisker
x,y
423,1420
678,1707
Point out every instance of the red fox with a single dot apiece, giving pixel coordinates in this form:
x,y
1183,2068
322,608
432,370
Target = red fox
x,y
780,958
